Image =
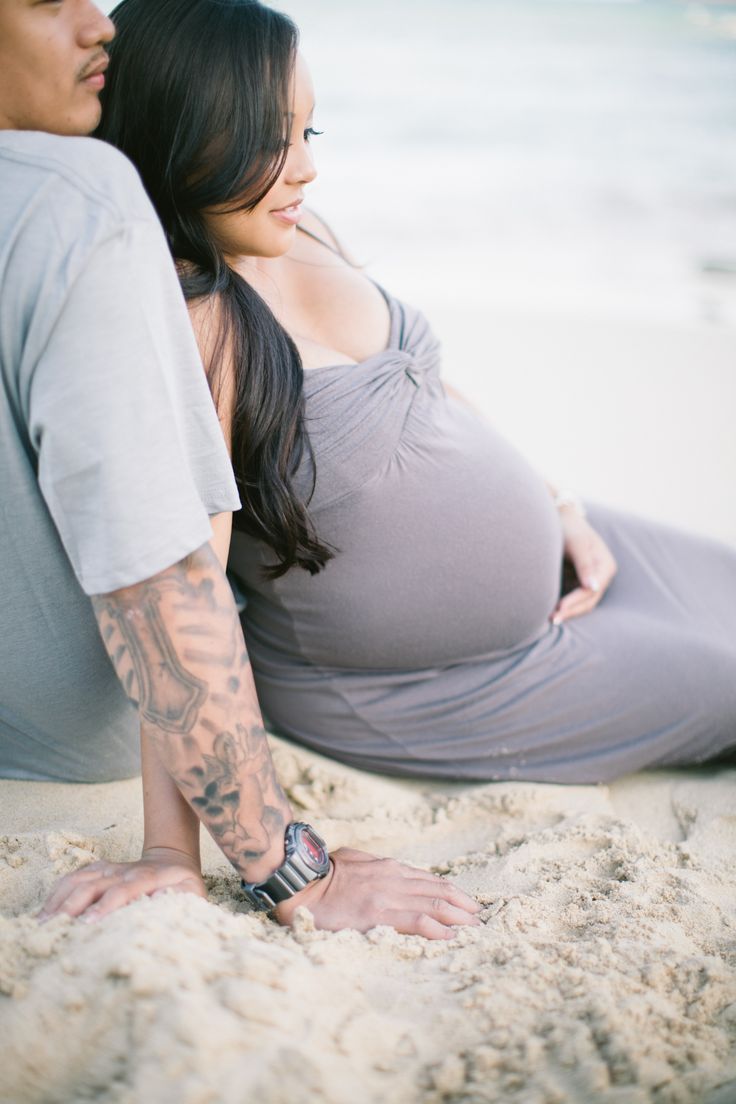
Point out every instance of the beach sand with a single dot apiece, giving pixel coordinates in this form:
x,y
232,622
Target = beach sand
x,y
606,967
605,970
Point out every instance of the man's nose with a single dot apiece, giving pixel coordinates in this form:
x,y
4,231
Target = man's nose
x,y
95,27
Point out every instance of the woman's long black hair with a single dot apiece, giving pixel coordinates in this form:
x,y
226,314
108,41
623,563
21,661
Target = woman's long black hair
x,y
197,97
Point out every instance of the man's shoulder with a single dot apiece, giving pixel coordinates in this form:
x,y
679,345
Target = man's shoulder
x,y
66,167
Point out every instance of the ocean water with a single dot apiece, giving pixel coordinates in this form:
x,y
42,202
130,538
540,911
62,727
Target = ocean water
x,y
541,154
567,156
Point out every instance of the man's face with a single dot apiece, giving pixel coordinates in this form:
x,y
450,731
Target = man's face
x,y
51,60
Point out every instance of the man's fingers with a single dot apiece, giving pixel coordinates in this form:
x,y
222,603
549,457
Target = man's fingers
x,y
437,885
442,889
412,922
443,908
95,892
414,879
114,898
66,885
76,899
447,913
108,890
80,897
146,883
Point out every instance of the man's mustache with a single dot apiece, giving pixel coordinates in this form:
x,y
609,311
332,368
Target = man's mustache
x,y
95,63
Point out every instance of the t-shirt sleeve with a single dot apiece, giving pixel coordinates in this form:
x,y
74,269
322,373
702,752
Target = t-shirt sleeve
x,y
131,458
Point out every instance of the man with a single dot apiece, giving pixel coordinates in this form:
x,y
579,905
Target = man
x,y
112,463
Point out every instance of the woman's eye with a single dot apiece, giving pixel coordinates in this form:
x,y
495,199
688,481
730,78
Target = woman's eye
x,y
310,132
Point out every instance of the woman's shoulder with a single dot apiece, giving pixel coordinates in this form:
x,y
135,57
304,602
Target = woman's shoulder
x,y
318,238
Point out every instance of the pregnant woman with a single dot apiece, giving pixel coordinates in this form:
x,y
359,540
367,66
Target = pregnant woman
x,y
418,600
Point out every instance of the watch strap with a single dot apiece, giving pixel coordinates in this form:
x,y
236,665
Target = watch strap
x,y
293,875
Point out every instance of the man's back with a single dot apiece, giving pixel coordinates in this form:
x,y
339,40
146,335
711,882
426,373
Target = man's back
x,y
79,243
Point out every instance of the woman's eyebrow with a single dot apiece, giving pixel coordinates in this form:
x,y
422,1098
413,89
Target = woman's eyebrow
x,y
291,115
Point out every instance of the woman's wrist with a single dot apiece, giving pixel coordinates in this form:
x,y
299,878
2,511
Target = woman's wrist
x,y
566,499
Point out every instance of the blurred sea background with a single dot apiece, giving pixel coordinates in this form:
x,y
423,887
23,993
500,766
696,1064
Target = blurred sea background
x,y
554,183
565,156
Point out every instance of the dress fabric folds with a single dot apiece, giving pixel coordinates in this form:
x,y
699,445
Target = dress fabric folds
x,y
425,648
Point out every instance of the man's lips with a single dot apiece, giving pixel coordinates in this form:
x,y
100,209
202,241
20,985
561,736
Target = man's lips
x,y
94,74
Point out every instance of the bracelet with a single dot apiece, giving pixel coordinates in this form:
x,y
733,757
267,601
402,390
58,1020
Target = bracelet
x,y
569,498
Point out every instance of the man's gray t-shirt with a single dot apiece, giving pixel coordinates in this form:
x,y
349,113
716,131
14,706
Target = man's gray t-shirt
x,y
111,456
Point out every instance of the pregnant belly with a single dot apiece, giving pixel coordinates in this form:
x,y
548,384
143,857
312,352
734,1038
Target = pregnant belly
x,y
455,551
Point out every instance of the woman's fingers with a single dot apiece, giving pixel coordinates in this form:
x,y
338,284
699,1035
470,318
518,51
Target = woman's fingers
x,y
580,600
594,567
587,596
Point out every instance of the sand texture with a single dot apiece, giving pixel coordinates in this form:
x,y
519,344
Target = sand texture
x,y
605,970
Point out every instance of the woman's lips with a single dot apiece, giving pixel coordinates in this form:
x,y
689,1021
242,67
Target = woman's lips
x,y
96,81
290,215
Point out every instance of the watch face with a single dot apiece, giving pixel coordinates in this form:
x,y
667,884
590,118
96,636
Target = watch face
x,y
312,849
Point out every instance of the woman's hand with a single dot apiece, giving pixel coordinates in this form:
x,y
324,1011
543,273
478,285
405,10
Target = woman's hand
x,y
100,888
593,563
362,891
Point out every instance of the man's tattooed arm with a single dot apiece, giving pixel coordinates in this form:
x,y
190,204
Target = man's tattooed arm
x,y
177,646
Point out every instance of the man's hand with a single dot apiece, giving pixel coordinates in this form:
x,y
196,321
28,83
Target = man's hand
x,y
593,562
362,891
95,890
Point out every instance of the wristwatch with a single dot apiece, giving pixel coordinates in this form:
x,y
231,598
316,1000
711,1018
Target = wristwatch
x,y
306,861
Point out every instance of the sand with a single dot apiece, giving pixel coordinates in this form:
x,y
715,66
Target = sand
x,y
605,969
605,972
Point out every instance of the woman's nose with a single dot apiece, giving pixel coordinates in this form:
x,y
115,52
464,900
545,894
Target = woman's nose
x,y
300,168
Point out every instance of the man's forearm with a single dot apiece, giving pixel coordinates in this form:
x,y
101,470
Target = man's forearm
x,y
178,649
169,821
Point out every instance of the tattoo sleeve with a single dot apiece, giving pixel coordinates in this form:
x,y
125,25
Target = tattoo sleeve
x,y
177,646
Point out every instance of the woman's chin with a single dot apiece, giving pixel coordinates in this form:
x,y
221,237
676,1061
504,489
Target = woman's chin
x,y
275,243
282,240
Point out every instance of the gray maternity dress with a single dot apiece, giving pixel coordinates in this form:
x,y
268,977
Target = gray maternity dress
x,y
425,647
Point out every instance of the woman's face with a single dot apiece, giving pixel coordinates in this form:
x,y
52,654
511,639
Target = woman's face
x,y
268,230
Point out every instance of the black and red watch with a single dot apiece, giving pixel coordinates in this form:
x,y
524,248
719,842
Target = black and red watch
x,y
306,861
